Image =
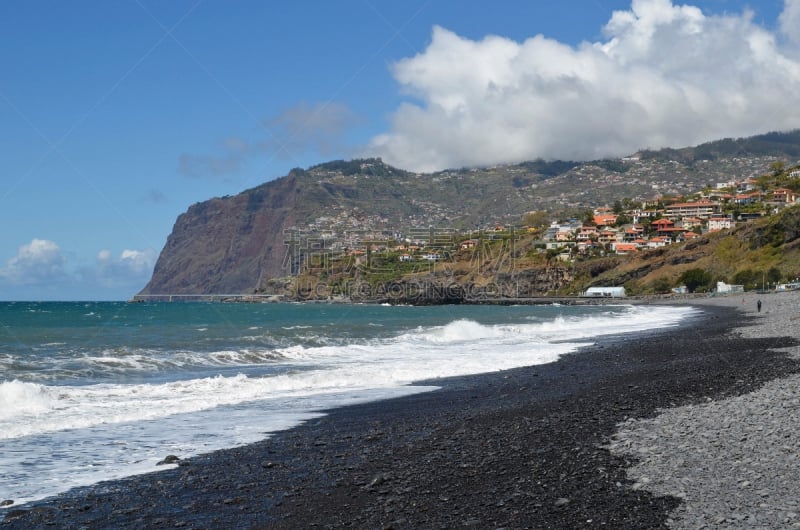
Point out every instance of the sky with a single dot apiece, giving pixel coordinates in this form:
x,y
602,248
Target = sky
x,y
116,116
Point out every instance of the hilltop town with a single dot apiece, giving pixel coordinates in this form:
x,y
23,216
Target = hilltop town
x,y
326,258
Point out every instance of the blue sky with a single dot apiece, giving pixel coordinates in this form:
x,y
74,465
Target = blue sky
x,y
116,116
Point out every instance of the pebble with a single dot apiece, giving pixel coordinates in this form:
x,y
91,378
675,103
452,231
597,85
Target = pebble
x,y
730,453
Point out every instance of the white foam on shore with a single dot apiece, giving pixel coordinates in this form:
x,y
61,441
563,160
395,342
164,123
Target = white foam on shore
x,y
118,429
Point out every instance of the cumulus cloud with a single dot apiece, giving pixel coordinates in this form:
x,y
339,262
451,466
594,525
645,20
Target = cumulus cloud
x,y
130,267
40,271
37,262
790,20
664,75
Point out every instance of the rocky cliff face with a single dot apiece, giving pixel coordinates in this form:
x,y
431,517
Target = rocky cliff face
x,y
226,245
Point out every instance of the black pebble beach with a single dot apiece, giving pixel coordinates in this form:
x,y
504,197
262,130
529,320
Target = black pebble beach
x,y
523,448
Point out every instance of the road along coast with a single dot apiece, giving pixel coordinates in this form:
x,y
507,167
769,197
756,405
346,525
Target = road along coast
x,y
537,447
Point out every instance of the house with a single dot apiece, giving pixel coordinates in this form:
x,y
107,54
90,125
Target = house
x,y
784,195
605,219
660,241
586,233
607,236
605,292
690,222
625,248
632,233
703,209
747,198
469,243
720,222
638,215
562,232
724,288
662,224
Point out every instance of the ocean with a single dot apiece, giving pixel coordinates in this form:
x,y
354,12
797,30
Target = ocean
x,y
97,391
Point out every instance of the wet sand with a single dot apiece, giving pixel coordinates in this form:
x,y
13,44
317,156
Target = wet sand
x,y
525,448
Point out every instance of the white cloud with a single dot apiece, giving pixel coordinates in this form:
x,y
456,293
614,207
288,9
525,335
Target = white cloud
x,y
666,75
37,262
40,271
790,20
132,267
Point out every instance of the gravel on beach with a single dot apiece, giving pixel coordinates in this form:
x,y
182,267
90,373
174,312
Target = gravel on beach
x,y
734,463
638,431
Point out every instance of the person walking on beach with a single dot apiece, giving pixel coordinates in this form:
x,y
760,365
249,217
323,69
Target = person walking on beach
x,y
758,305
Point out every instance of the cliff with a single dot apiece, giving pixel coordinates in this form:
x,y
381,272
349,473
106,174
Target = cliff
x,y
236,244
225,245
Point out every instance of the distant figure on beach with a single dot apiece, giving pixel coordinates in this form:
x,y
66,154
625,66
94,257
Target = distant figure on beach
x,y
758,305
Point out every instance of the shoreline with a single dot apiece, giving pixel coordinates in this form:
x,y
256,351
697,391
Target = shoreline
x,y
520,448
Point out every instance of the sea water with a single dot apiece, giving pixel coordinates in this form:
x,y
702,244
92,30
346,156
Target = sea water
x,y
96,391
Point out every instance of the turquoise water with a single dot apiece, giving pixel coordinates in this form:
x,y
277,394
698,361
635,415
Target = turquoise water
x,y
122,385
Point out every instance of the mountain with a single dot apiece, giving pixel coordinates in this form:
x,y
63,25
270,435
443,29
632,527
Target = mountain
x,y
234,244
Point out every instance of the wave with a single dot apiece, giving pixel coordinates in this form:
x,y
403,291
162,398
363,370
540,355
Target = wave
x,y
21,399
460,347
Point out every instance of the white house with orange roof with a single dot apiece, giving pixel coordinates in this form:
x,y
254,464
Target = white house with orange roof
x,y
659,241
606,219
625,248
607,236
690,222
586,233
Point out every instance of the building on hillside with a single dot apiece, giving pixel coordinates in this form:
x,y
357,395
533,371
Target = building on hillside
x,y
661,225
605,219
659,241
562,231
702,209
625,248
720,222
749,216
690,222
605,292
586,233
638,215
784,195
607,236
748,198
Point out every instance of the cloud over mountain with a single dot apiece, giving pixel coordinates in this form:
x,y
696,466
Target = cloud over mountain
x,y
665,75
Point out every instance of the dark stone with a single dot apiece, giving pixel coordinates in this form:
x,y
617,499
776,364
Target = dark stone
x,y
497,450
169,459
